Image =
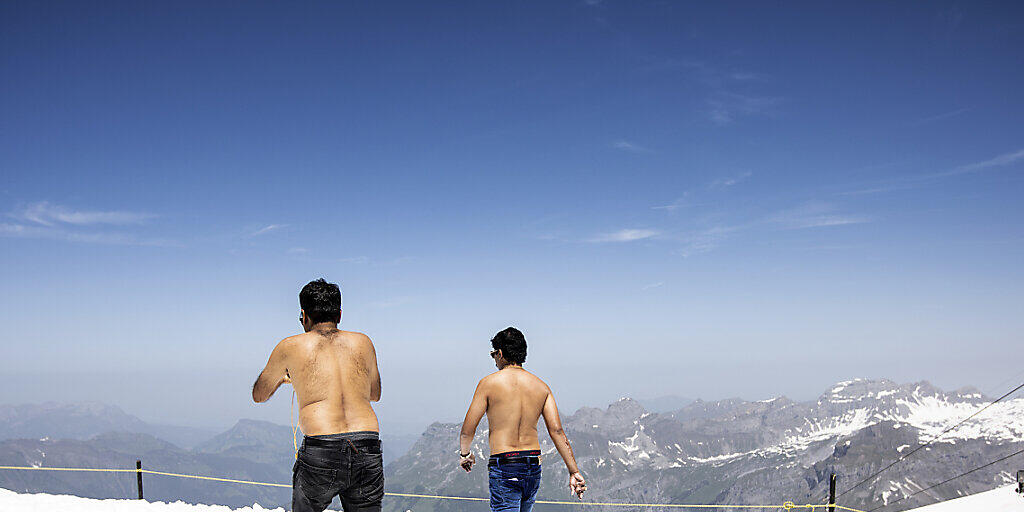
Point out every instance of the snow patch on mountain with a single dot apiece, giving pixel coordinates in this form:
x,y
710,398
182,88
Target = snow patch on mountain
x,y
929,412
845,409
1002,499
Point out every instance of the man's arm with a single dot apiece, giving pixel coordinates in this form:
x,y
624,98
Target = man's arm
x,y
554,424
272,376
374,373
476,411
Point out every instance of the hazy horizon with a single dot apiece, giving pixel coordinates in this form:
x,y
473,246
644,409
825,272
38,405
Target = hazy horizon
x,y
404,422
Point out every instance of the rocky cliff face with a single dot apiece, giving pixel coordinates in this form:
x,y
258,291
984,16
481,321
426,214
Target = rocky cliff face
x,y
767,452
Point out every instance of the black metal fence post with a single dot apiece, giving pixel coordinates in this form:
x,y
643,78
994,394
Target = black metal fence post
x,y
138,474
831,493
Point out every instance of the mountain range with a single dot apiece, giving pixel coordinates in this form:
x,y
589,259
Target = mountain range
x,y
87,419
721,452
741,452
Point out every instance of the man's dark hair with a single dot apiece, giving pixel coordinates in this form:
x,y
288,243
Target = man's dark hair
x,y
512,344
321,301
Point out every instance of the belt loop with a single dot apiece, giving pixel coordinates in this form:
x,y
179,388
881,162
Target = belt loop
x,y
353,445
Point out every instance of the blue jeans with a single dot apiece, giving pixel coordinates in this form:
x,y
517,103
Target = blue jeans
x,y
513,487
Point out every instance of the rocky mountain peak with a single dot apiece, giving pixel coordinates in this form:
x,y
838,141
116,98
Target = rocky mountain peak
x,y
739,451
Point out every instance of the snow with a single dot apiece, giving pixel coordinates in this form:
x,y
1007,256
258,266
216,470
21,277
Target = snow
x,y
1001,499
932,415
928,413
719,458
11,501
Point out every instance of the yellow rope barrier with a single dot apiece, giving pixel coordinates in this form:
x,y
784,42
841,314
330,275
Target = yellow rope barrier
x,y
295,426
789,505
104,470
214,478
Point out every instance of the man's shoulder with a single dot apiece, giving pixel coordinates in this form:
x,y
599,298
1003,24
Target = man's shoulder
x,y
293,340
356,336
539,381
293,343
500,377
528,380
491,380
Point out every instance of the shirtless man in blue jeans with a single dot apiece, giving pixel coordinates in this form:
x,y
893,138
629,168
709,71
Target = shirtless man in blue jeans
x,y
334,374
514,400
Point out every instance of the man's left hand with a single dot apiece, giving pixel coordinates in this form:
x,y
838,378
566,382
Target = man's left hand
x,y
467,462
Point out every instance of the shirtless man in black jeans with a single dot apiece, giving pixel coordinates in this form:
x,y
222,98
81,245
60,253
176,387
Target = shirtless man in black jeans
x,y
334,374
514,400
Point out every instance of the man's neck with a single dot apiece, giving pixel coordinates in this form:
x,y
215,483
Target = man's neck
x,y
324,327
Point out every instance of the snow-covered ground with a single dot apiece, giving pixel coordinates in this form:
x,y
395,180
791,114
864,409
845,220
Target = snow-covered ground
x,y
11,501
1002,499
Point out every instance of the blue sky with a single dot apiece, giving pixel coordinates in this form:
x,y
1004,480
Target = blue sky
x,y
729,199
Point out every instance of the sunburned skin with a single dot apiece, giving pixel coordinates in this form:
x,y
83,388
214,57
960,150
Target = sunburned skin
x,y
335,377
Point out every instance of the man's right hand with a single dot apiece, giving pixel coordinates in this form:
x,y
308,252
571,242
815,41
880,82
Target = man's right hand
x,y
577,485
467,462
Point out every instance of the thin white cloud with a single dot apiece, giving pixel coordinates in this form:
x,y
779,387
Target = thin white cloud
x,y
923,180
820,221
881,189
298,251
267,229
705,240
942,116
814,215
707,75
725,107
673,206
48,221
743,76
719,184
56,233
682,202
999,161
355,259
652,286
626,145
730,181
47,214
625,235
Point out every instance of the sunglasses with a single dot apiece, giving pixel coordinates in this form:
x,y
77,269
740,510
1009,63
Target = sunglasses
x,y
494,353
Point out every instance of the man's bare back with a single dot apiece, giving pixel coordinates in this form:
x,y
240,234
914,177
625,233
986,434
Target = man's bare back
x,y
515,402
334,374
335,377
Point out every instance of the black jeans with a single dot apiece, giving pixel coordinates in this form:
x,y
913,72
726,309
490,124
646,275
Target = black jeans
x,y
346,465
